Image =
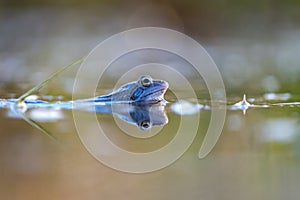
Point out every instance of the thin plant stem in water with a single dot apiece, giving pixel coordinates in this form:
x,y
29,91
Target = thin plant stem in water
x,y
42,84
20,101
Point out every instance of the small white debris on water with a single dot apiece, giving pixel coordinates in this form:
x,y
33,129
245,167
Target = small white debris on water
x,y
60,98
244,104
183,107
32,97
241,105
51,98
280,96
46,115
48,97
206,107
251,100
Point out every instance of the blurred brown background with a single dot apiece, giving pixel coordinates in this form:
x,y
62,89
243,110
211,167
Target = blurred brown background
x,y
256,46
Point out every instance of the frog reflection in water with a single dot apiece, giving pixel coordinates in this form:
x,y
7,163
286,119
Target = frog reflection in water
x,y
140,103
143,116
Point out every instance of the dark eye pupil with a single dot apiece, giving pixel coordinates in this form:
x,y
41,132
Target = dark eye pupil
x,y
146,82
145,124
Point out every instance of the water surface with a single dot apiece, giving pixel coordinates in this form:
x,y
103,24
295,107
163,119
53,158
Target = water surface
x,y
256,156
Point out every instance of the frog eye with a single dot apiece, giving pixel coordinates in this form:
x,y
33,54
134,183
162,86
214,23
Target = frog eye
x,y
145,125
146,81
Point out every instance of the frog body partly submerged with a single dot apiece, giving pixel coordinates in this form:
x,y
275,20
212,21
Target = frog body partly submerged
x,y
143,91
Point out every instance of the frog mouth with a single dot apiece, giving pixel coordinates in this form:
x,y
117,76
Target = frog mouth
x,y
158,93
156,96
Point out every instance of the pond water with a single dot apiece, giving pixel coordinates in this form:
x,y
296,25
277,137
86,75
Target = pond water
x,y
256,156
